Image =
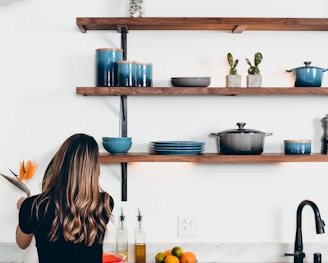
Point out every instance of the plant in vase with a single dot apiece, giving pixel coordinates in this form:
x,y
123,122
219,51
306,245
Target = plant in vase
x,y
233,79
136,8
254,78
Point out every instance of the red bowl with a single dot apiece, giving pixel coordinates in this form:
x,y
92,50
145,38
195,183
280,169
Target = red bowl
x,y
111,258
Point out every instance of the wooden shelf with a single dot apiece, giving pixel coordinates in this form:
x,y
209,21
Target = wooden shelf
x,y
212,158
234,25
116,91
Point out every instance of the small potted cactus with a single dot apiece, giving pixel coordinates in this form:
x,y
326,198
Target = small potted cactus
x,y
254,78
233,80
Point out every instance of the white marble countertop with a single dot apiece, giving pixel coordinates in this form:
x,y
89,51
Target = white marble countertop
x,y
206,252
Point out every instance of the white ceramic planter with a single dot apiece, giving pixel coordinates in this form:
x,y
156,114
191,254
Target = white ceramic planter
x,y
254,81
233,81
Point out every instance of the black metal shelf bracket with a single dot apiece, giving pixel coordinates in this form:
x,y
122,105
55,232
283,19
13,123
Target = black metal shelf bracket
x,y
124,123
124,133
124,32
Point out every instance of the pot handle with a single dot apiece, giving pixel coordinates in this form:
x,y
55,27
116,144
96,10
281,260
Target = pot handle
x,y
325,70
268,134
289,70
214,134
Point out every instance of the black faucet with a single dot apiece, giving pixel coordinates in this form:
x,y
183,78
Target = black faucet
x,y
319,224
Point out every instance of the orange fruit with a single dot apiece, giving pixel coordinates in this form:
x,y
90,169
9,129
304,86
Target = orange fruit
x,y
177,251
188,257
171,259
168,252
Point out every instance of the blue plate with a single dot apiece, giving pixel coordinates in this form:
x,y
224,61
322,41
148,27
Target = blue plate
x,y
177,143
174,148
178,152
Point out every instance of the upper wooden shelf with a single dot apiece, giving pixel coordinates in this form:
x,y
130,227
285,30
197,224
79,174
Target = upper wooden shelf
x,y
115,91
212,158
234,25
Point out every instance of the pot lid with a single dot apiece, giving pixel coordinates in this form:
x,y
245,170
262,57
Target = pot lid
x,y
241,129
307,66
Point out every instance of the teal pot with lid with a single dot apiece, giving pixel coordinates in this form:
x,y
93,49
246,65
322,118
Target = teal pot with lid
x,y
308,76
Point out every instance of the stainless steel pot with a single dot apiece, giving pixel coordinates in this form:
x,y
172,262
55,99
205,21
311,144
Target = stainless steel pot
x,y
308,76
241,140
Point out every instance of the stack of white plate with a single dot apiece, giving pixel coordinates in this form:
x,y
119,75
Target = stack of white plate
x,y
177,147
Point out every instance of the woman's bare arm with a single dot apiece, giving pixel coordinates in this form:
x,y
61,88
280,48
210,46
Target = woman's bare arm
x,y
23,240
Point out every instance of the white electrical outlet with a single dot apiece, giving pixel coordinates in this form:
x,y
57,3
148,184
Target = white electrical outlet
x,y
188,226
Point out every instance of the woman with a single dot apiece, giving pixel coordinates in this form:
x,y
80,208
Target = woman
x,y
69,218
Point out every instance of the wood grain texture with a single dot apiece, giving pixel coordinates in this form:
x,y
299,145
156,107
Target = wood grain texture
x,y
212,158
231,24
161,91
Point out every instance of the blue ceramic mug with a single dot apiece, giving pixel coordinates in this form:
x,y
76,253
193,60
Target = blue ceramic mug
x,y
106,66
127,73
145,74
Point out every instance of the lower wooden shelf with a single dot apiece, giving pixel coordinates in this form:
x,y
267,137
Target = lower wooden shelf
x,y
212,158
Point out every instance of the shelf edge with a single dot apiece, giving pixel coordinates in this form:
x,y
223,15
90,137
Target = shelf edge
x,y
212,158
135,91
232,24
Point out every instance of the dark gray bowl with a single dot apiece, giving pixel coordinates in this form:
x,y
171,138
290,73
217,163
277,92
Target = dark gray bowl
x,y
190,81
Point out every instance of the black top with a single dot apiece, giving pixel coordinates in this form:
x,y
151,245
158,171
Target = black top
x,y
60,251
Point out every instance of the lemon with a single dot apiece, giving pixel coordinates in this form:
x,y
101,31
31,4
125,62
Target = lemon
x,y
177,251
171,259
160,257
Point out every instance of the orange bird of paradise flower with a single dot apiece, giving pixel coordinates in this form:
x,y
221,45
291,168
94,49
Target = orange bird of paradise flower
x,y
26,172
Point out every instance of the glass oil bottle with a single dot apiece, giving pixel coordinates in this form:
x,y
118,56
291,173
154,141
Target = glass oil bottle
x,y
140,241
122,239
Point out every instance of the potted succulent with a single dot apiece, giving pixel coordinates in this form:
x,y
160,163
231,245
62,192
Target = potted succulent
x,y
136,8
254,78
233,80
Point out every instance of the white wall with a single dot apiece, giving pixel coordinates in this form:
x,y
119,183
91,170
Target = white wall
x,y
44,57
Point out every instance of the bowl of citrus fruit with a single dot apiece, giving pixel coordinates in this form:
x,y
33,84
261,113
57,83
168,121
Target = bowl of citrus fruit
x,y
175,255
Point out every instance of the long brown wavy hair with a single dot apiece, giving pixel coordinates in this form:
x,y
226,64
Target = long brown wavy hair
x,y
81,209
